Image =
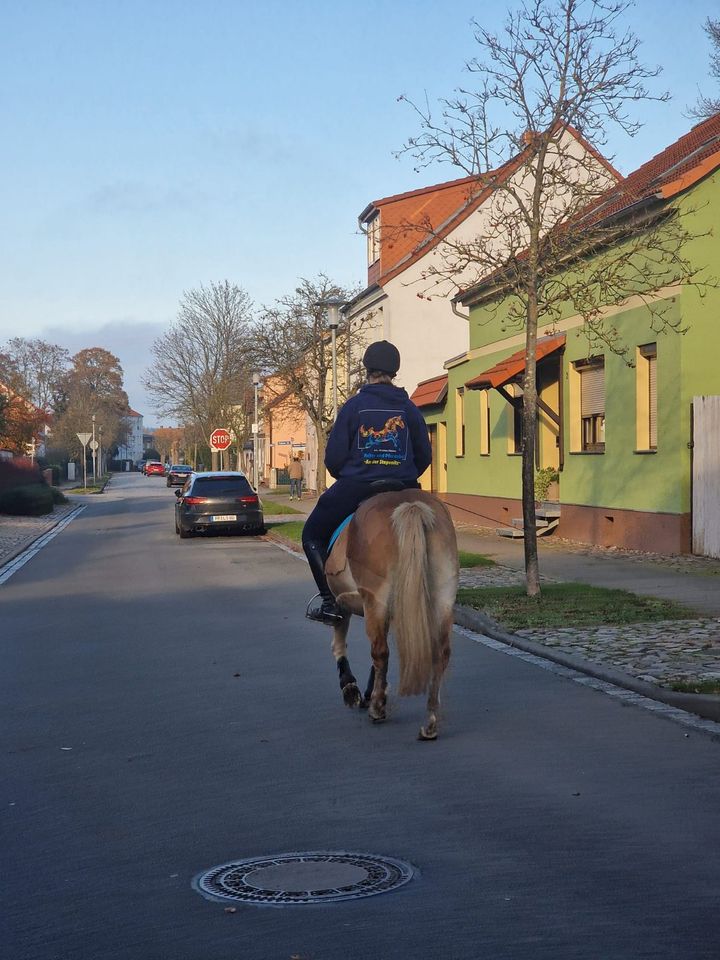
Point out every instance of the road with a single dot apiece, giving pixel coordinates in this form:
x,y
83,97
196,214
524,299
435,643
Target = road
x,y
164,708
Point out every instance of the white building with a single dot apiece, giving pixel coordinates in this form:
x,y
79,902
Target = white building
x,y
132,449
410,236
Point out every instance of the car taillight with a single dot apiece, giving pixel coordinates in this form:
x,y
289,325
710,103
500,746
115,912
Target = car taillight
x,y
253,499
193,500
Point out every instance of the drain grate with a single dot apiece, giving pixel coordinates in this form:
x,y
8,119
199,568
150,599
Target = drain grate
x,y
317,877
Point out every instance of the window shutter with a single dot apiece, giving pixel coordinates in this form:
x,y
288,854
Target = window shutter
x,y
592,390
652,378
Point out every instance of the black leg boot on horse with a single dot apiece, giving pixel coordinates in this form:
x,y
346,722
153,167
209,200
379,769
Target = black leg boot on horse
x,y
327,610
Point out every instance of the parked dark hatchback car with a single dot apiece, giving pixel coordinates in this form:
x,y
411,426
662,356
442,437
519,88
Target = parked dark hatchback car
x,y
177,474
154,468
218,501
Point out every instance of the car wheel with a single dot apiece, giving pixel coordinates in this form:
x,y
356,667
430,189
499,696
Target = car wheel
x,y
184,534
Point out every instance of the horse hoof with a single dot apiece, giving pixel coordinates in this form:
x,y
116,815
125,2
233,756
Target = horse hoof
x,y
364,704
376,715
427,733
351,695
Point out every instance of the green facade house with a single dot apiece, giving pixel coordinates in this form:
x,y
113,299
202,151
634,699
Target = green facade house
x,y
636,445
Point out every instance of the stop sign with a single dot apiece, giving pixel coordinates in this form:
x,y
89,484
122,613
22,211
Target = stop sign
x,y
220,439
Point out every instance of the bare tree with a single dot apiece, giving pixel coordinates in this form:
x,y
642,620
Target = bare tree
x,y
203,364
562,71
293,344
40,366
707,106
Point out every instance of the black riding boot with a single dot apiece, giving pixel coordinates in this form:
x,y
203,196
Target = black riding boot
x,y
327,611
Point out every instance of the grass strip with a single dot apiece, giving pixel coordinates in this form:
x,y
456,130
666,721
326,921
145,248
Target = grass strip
x,y
568,605
272,508
288,530
468,560
690,686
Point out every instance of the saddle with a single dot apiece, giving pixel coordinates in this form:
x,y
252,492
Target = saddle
x,y
337,552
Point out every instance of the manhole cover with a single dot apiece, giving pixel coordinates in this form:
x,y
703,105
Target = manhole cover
x,y
304,878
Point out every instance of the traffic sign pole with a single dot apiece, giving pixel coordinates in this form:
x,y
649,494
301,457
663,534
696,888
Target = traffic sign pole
x,y
84,438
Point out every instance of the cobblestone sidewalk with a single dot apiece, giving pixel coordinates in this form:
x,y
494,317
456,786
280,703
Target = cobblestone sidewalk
x,y
16,533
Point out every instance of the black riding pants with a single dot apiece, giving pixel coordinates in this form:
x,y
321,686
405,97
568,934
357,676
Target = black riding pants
x,y
338,502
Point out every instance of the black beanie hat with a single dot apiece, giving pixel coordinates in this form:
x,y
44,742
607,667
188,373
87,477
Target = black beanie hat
x,y
382,355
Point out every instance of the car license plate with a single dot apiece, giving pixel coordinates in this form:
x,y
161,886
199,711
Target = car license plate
x,y
224,518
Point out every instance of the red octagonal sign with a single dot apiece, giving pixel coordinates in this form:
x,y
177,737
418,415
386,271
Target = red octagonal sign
x,y
220,439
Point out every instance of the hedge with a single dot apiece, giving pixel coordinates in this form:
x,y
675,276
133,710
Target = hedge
x,y
32,500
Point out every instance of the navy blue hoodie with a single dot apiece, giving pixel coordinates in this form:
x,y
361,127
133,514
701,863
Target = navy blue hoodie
x,y
379,433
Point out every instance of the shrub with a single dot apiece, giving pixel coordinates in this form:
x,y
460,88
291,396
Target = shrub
x,y
543,479
33,500
18,473
58,496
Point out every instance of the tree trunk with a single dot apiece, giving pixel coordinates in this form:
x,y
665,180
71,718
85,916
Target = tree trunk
x,y
532,573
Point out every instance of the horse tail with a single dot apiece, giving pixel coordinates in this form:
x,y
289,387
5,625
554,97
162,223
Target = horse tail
x,y
411,611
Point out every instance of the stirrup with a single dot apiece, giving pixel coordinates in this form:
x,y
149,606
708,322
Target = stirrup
x,y
330,616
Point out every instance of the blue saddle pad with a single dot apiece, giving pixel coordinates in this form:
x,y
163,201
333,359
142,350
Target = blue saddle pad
x,y
338,531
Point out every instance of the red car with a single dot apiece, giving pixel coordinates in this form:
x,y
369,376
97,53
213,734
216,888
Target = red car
x,y
154,467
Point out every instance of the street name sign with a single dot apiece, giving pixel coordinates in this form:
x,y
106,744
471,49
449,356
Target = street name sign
x,y
220,439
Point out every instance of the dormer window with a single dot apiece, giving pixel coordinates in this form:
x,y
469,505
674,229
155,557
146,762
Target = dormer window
x,y
373,239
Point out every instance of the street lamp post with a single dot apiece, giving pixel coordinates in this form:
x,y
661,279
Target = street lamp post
x,y
333,306
94,452
256,428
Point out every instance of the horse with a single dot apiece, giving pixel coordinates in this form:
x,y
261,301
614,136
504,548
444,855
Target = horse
x,y
396,564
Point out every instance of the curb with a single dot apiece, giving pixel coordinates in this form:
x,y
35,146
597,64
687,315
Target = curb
x,y
290,544
703,705
5,561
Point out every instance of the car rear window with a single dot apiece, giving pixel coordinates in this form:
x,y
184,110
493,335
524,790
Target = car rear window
x,y
222,486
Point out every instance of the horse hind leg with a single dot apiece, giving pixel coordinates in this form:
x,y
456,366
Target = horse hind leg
x,y
365,702
348,683
376,626
429,730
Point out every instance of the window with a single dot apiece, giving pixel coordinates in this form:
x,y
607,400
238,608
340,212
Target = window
x,y
592,404
484,423
460,422
646,420
373,239
515,421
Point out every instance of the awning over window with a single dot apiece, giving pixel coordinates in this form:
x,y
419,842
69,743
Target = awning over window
x,y
513,365
430,392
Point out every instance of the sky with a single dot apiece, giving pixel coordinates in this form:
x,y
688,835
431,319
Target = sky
x,y
150,146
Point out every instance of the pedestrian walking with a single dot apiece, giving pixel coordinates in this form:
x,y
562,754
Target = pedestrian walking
x,y
379,434
295,472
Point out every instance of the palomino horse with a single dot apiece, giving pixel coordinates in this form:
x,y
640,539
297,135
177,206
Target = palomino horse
x,y
396,564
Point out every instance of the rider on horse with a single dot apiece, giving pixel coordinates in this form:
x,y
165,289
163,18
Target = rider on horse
x,y
379,435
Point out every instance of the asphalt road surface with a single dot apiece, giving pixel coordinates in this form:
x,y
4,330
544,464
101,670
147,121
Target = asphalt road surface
x,y
165,708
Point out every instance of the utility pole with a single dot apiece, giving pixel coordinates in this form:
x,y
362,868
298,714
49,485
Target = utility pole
x,y
93,447
256,428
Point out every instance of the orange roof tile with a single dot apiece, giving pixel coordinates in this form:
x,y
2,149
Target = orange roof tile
x,y
414,222
668,173
676,168
428,393
511,366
